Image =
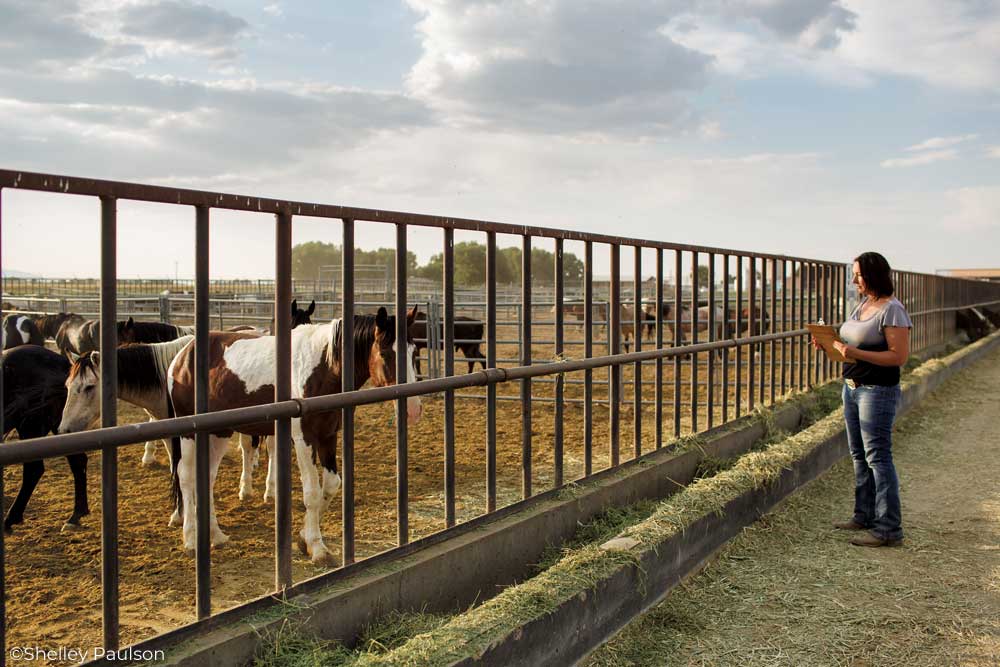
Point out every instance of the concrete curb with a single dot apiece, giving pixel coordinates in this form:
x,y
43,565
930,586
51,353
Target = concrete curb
x,y
579,625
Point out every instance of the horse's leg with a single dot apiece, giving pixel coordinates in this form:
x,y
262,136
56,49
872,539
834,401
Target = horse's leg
x,y
272,473
219,447
186,479
31,472
311,536
78,466
175,517
149,454
246,478
331,479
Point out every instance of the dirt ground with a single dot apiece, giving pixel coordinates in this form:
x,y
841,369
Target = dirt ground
x,y
53,577
791,590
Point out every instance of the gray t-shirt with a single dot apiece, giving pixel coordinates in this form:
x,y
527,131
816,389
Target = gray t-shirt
x,y
869,335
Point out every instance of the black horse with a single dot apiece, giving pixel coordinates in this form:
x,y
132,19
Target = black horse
x,y
77,337
468,338
34,393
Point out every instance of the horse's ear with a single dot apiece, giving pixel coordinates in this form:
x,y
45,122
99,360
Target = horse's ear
x,y
312,308
95,358
129,323
295,306
382,319
411,316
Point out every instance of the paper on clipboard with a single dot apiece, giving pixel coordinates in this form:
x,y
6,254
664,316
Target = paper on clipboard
x,y
825,335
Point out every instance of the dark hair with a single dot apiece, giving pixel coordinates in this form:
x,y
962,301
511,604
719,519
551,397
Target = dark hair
x,y
876,273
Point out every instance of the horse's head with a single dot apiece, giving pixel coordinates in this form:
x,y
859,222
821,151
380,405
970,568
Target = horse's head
x,y
382,357
126,331
300,316
83,395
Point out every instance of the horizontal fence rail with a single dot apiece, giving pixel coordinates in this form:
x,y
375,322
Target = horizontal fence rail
x,y
733,321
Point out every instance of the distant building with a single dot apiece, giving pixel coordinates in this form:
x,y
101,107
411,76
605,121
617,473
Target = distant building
x,y
989,275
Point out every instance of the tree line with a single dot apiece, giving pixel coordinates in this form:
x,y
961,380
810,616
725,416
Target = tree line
x,y
470,263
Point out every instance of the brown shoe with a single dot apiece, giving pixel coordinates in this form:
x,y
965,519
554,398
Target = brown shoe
x,y
869,540
848,525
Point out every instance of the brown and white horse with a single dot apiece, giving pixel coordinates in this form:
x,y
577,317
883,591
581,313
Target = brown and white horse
x,y
241,374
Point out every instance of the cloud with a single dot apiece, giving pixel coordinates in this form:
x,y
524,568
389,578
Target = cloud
x,y
975,208
921,159
993,151
953,44
45,33
183,25
274,9
109,123
814,23
941,142
561,66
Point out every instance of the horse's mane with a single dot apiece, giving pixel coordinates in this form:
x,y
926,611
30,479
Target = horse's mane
x,y
142,367
364,338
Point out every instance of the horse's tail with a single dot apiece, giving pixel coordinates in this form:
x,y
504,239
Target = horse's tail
x,y
176,497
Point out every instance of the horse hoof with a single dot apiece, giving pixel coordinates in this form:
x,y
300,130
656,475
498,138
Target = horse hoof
x,y
220,540
303,547
68,526
175,520
190,552
324,558
245,494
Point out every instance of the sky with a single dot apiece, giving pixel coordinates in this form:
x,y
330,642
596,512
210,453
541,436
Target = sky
x,y
816,128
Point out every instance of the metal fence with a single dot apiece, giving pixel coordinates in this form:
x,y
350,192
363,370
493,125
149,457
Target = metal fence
x,y
774,296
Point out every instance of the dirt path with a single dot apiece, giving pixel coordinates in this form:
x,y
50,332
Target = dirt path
x,y
791,591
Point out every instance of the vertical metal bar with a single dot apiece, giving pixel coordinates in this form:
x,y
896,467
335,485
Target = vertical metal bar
x,y
491,362
771,319
449,370
588,352
637,367
762,320
557,427
678,306
694,341
827,284
738,395
801,324
784,326
812,318
726,333
109,417
347,384
402,449
3,508
659,346
203,499
711,338
614,341
751,319
283,392
526,361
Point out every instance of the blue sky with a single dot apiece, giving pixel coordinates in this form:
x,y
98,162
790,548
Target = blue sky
x,y
819,128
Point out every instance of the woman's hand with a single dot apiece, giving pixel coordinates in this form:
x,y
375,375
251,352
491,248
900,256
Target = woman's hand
x,y
844,349
815,343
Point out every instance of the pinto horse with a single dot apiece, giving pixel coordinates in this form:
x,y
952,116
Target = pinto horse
x,y
241,374
34,392
20,330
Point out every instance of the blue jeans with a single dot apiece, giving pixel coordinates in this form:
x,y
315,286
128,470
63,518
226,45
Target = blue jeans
x,y
869,412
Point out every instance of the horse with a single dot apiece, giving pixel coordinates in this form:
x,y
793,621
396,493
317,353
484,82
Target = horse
x,y
686,320
48,325
468,338
77,337
241,374
20,330
973,323
299,316
34,393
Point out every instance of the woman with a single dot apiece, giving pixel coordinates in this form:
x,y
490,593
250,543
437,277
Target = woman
x,y
876,344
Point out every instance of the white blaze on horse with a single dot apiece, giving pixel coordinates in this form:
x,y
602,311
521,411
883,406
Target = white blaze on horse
x,y
241,374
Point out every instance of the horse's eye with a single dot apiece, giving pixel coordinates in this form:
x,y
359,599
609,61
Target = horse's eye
x,y
89,388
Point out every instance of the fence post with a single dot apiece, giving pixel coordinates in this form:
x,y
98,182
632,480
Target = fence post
x,y
164,308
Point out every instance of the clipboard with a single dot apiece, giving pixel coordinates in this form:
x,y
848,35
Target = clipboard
x,y
825,335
